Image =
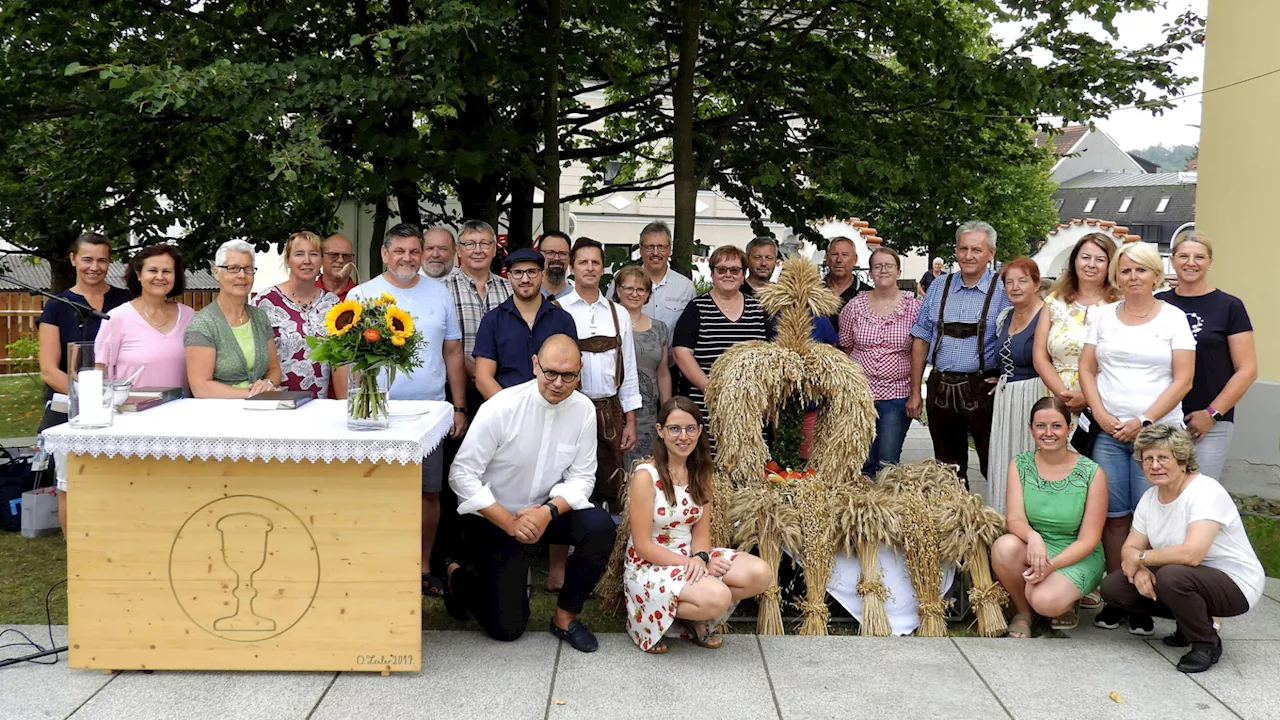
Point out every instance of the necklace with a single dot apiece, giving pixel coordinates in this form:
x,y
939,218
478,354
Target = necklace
x,y
151,317
883,306
1140,316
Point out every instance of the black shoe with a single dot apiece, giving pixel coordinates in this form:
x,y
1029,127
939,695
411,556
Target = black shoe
x,y
578,636
1198,661
1176,639
1141,625
1109,617
452,603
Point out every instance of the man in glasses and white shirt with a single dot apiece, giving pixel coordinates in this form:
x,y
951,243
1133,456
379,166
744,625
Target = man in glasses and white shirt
x,y
524,475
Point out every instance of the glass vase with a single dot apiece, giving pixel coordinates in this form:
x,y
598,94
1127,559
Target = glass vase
x,y
367,392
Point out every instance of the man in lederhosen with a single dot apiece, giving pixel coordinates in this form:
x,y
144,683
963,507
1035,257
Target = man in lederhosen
x,y
608,367
956,332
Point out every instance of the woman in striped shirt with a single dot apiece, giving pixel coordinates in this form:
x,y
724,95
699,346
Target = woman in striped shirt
x,y
875,329
715,322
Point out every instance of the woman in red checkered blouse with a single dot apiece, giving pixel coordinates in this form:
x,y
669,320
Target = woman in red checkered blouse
x,y
875,329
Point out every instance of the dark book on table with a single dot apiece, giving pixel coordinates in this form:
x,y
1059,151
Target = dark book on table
x,y
144,398
278,400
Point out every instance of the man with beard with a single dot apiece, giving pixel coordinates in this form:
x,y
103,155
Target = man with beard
x,y
955,332
842,258
609,366
554,246
337,263
511,333
762,259
438,255
428,302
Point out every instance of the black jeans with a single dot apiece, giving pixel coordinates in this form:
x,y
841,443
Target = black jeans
x,y
1192,596
492,585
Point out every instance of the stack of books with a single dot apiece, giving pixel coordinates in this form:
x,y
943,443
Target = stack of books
x,y
145,398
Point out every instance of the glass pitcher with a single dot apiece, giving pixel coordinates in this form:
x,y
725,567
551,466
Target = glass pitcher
x,y
90,392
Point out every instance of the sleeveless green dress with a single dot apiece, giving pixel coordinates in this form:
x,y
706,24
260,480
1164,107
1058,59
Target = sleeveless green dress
x,y
1055,509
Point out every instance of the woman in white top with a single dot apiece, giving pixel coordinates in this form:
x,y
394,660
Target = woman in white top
x,y
1137,363
1187,557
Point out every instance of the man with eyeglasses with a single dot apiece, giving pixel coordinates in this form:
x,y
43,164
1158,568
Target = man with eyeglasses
x,y
428,302
609,366
475,291
337,265
511,333
554,246
525,475
671,290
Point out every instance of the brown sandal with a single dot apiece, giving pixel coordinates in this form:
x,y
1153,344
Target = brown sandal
x,y
659,648
702,636
1020,626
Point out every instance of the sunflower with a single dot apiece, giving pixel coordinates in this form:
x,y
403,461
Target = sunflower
x,y
399,322
397,340
342,317
386,299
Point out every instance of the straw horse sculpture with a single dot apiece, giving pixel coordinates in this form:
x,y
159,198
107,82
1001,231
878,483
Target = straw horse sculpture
x,y
920,509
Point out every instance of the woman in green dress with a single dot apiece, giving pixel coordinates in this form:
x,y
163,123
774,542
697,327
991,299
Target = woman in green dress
x,y
1051,556
230,344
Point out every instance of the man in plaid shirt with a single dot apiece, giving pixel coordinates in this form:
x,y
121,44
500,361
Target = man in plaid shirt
x,y
956,333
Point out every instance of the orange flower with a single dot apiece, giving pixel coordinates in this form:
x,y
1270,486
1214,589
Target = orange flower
x,y
372,335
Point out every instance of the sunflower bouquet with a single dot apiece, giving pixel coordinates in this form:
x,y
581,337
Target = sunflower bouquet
x,y
370,336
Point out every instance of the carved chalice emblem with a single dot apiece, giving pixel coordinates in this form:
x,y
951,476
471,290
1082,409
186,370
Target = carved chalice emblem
x,y
244,550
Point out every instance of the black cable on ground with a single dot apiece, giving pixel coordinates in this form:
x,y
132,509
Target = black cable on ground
x,y
28,642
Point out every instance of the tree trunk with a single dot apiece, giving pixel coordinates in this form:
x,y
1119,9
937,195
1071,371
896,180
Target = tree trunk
x,y
407,200
479,198
686,181
520,217
380,213
551,123
62,274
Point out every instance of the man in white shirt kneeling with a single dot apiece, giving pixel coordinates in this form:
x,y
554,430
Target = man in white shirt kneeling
x,y
524,474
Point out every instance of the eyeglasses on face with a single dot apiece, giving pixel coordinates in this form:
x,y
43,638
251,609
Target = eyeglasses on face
x,y
554,375
884,267
526,273
237,269
472,245
658,247
632,290
555,253
1162,460
340,257
682,430
727,269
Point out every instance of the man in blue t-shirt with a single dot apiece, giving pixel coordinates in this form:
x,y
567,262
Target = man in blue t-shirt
x,y
434,315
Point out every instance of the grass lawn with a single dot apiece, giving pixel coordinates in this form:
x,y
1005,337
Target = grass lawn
x,y
21,405
28,568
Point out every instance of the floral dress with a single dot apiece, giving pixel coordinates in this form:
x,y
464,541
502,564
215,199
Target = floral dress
x,y
653,591
1066,338
293,325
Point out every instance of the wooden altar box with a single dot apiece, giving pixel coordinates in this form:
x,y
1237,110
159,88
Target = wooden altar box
x,y
243,564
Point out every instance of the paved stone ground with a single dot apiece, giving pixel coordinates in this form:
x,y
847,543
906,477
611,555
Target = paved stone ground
x,y
467,675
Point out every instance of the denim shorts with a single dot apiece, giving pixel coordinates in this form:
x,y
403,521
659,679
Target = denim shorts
x,y
1126,482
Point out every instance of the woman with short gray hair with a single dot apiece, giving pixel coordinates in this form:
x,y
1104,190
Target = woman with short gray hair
x,y
231,349
1187,556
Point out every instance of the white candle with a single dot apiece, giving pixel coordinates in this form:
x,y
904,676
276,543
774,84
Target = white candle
x,y
90,396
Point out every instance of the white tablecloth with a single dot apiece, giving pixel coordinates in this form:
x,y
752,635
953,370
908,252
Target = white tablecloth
x,y
224,430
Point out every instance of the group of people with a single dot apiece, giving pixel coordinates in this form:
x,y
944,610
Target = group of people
x,y
1102,364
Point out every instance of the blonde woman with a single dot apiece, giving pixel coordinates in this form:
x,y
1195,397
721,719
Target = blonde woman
x,y
296,309
652,345
1136,366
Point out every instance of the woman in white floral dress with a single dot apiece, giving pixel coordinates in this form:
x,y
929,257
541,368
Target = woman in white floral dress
x,y
672,572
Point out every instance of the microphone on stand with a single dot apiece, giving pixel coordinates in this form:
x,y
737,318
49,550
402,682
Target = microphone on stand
x,y
82,308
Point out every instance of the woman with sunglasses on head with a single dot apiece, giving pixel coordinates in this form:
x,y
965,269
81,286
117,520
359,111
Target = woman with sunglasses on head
x,y
61,323
231,349
632,288
1226,362
296,309
672,573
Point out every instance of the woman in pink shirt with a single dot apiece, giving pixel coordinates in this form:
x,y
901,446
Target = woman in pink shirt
x,y
875,329
147,331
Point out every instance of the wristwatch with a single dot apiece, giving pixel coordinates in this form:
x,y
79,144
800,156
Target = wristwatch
x,y
459,408
1145,420
555,511
705,557
1217,416
1142,557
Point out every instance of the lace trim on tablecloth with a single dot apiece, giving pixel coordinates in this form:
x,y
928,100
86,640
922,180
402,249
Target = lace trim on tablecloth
x,y
401,451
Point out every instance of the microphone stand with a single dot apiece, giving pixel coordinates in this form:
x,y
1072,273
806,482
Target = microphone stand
x,y
80,308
